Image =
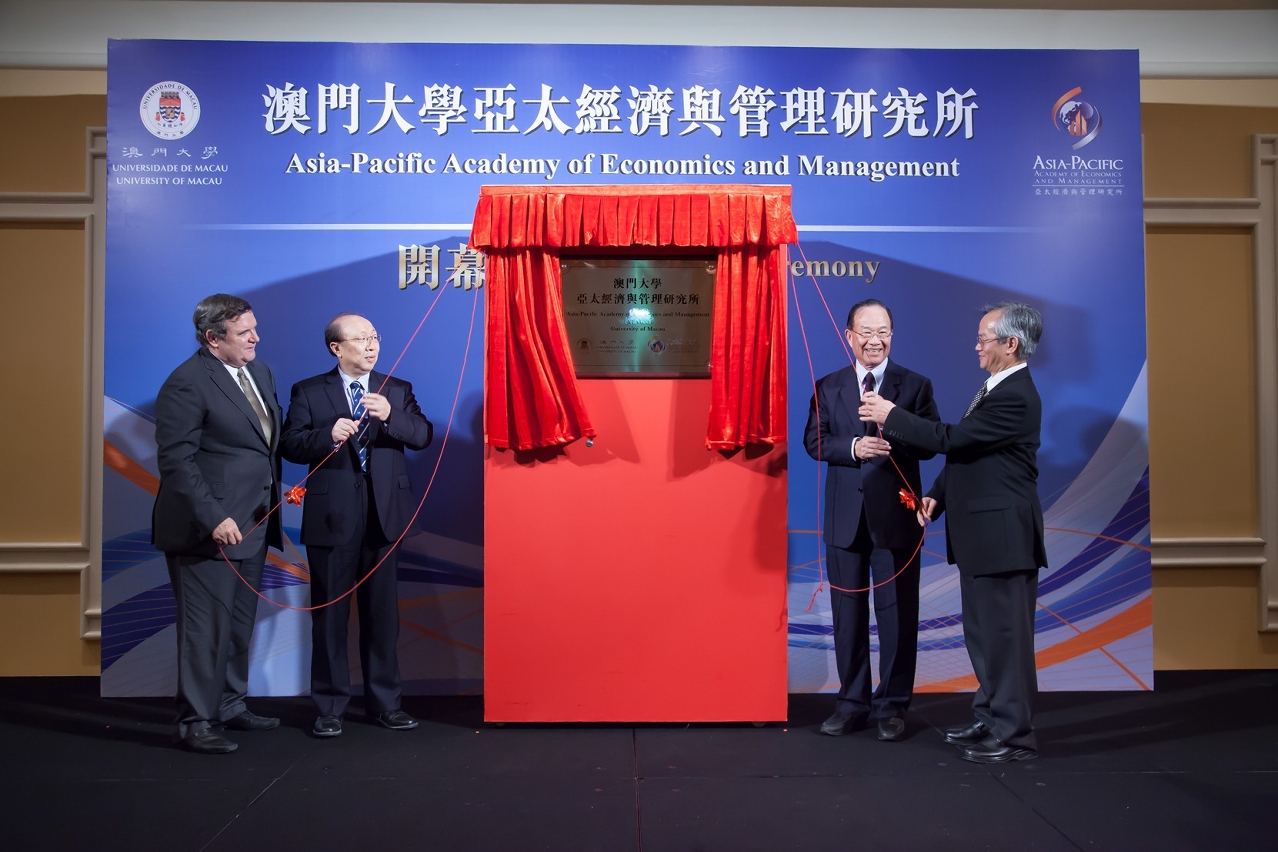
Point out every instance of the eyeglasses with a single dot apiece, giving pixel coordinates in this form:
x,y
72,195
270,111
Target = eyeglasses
x,y
865,335
363,341
981,341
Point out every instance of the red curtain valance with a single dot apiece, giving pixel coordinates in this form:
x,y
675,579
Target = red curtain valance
x,y
524,217
532,397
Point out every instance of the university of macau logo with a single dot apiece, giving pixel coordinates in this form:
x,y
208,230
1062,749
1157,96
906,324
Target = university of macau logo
x,y
170,110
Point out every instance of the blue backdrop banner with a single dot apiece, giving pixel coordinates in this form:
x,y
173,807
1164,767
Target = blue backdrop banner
x,y
318,178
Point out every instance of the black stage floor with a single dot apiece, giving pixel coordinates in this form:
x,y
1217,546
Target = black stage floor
x,y
1191,766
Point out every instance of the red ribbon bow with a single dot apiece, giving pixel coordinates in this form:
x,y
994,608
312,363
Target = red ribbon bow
x,y
907,499
295,494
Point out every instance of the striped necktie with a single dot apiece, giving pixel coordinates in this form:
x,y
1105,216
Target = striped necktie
x,y
357,411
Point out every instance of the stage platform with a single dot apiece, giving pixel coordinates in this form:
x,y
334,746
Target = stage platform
x,y
1191,766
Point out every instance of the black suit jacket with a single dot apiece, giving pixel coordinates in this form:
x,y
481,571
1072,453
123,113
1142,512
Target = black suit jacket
x,y
989,484
214,460
875,484
329,510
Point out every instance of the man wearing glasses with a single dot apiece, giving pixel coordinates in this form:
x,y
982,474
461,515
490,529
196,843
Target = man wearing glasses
x,y
870,533
995,531
351,425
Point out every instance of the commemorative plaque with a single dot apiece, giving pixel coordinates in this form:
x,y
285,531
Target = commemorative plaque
x,y
639,317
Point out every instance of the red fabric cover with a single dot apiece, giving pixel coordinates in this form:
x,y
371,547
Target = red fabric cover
x,y
532,396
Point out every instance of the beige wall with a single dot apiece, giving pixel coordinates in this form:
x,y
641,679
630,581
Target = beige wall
x,y
1201,347
42,506
1203,440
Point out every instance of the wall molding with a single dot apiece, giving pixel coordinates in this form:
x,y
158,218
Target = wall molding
x,y
1258,214
84,556
1208,552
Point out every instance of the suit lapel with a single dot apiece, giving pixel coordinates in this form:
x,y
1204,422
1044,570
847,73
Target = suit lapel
x,y
890,389
847,398
337,395
339,399
375,381
849,403
231,388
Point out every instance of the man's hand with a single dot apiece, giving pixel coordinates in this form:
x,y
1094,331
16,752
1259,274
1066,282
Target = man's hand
x,y
874,408
377,406
343,429
871,447
227,532
927,511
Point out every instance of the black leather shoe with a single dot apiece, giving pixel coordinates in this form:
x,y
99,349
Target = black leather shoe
x,y
249,721
891,728
327,726
993,750
396,720
967,735
208,741
840,723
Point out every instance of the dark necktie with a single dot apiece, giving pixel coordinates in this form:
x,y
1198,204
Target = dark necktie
x,y
976,400
262,419
867,386
357,411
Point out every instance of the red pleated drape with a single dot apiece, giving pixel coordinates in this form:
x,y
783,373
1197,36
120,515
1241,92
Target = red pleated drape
x,y
532,396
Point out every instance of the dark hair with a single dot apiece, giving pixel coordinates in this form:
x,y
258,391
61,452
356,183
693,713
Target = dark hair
x,y
214,312
869,303
333,331
1018,320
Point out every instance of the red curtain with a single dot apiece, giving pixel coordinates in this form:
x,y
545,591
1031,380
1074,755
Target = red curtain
x,y
532,397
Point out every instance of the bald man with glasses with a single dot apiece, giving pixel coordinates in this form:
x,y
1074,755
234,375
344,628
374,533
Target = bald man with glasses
x,y
351,426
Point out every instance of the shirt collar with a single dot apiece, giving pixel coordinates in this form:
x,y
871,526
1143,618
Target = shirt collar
x,y
346,380
877,372
993,380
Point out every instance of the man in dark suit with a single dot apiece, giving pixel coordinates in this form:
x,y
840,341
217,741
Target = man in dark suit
x,y
995,531
351,425
217,427
871,537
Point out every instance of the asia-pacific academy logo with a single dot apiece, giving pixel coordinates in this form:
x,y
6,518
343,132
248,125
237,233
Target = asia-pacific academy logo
x,y
170,110
1076,117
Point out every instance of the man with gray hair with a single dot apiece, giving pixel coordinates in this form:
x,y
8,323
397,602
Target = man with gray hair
x,y
995,531
351,426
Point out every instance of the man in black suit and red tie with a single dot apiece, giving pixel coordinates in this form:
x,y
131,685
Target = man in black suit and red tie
x,y
217,427
871,536
351,426
994,534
